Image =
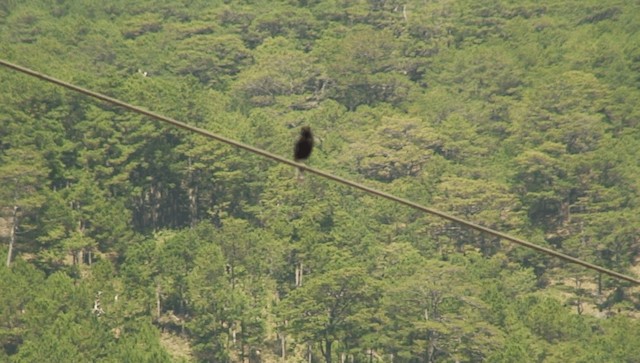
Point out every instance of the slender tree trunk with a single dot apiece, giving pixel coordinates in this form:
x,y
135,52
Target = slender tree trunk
x,y
579,302
12,234
242,345
283,347
299,268
78,258
193,206
192,190
182,300
565,212
233,277
301,272
430,351
156,198
327,350
158,301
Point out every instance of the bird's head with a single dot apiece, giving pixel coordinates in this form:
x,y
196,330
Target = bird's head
x,y
306,131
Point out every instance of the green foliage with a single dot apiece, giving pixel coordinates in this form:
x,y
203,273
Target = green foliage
x,y
126,239
331,307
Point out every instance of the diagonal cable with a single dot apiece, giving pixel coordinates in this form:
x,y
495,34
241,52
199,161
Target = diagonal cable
x,y
203,132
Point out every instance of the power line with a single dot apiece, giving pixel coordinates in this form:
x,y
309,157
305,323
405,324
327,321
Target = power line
x,y
324,174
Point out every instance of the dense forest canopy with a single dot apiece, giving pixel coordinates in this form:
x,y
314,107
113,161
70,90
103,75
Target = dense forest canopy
x,y
128,240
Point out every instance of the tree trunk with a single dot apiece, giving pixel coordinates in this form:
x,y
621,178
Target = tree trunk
x,y
283,347
12,234
242,343
233,276
431,348
193,205
327,350
182,300
158,310
156,210
77,257
192,191
299,268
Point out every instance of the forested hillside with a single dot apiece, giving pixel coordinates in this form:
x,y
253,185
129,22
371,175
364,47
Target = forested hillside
x,y
127,240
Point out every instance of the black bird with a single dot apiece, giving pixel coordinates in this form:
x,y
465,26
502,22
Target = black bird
x,y
303,147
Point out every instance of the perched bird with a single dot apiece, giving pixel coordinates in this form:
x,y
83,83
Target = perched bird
x,y
303,147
